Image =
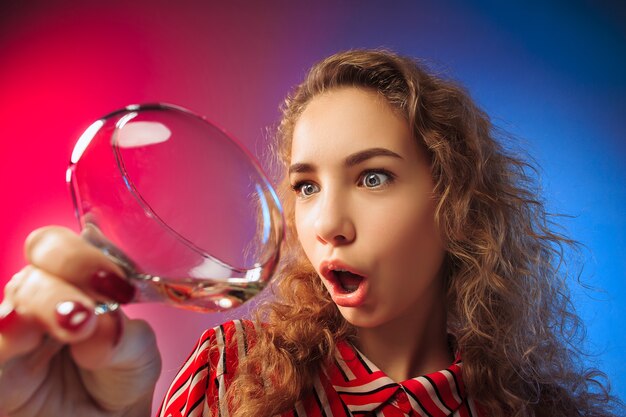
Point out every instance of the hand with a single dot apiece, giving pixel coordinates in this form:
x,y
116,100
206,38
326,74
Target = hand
x,y
57,357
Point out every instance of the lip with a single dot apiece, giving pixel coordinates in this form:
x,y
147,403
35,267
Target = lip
x,y
353,299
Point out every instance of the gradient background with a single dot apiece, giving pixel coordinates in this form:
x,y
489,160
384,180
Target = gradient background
x,y
552,73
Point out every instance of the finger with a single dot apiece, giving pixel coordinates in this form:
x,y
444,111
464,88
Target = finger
x,y
128,373
96,351
21,376
63,310
51,247
14,283
17,335
63,253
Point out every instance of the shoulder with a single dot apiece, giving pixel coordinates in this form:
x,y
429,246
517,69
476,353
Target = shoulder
x,y
221,347
240,334
210,367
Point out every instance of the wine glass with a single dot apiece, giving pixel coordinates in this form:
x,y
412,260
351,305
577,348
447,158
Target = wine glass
x,y
182,207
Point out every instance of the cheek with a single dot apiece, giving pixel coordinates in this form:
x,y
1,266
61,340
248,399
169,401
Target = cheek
x,y
408,236
304,230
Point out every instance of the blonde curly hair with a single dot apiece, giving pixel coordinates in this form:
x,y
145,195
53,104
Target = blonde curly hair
x,y
507,300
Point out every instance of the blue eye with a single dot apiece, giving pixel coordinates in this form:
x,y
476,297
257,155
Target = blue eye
x,y
375,179
305,189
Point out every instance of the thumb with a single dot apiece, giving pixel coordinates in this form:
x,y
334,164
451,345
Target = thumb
x,y
119,375
98,349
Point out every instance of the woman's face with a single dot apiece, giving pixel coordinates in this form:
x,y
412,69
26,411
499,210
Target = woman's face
x,y
364,207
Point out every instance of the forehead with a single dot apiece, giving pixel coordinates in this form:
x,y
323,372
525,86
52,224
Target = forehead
x,y
346,120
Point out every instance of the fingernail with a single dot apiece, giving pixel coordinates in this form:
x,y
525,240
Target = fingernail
x,y
72,315
119,327
7,316
113,286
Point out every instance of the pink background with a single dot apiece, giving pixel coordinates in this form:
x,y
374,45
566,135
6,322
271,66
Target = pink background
x,y
551,74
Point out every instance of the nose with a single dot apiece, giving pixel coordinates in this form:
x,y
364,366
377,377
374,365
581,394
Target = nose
x,y
334,224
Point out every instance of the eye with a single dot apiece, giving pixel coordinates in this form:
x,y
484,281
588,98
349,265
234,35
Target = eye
x,y
305,189
375,179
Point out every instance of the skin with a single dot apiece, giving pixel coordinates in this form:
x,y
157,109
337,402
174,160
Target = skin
x,y
377,217
107,367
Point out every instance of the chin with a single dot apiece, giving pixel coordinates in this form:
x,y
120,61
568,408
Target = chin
x,y
360,319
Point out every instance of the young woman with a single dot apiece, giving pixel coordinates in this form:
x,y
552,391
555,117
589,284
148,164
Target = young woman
x,y
419,278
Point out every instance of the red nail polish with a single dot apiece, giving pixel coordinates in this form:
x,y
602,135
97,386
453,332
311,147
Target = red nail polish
x,y
119,327
72,315
7,317
113,286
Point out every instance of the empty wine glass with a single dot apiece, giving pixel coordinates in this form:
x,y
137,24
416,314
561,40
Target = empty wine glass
x,y
183,208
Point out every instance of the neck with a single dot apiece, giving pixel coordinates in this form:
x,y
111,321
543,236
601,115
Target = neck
x,y
409,346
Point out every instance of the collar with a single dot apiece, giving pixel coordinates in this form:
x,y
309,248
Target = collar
x,y
364,388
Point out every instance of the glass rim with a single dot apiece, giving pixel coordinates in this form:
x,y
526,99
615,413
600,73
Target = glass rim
x,y
90,133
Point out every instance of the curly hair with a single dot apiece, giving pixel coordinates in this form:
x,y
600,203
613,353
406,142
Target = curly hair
x,y
507,299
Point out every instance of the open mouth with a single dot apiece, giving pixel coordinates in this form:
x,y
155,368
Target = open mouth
x,y
346,286
348,281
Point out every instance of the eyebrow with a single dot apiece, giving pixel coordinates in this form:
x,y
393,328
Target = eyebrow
x,y
352,160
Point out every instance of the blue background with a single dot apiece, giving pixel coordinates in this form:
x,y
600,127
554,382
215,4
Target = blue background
x,y
552,73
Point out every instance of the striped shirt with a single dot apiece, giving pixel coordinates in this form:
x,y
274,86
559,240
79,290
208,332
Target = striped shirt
x,y
350,386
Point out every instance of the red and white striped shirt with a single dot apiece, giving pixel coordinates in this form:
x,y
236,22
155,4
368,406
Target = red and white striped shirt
x,y
351,386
